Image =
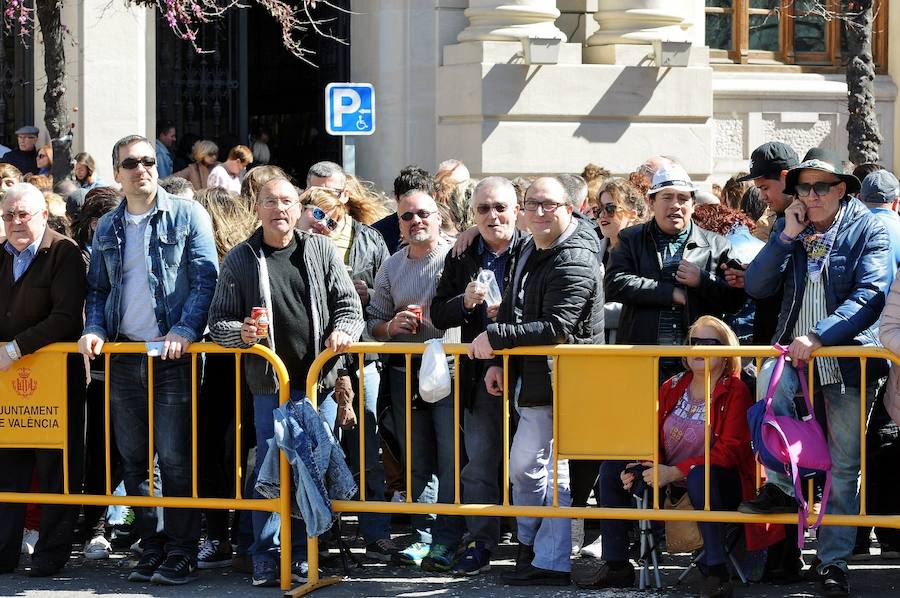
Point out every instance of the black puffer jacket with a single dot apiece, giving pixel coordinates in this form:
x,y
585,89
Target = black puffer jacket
x,y
633,279
562,303
448,311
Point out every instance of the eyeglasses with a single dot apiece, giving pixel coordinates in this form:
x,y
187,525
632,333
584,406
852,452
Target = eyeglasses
x,y
485,208
273,203
707,342
548,205
422,214
320,216
22,217
821,188
132,163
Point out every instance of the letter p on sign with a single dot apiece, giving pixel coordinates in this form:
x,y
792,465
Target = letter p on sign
x,y
349,109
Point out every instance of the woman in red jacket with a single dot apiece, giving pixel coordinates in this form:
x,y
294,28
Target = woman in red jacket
x,y
682,411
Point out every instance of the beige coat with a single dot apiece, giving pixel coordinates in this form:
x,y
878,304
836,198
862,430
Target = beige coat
x,y
890,338
197,174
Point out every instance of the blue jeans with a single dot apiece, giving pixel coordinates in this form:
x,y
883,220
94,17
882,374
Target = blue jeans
x,y
372,526
266,526
480,478
433,453
531,474
835,543
179,530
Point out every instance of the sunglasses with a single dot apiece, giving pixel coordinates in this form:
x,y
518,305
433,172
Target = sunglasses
x,y
485,208
132,163
422,214
821,188
704,342
320,216
42,155
609,208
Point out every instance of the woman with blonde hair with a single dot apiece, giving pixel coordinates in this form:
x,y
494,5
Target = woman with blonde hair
x,y
732,472
362,250
206,155
364,203
256,177
232,221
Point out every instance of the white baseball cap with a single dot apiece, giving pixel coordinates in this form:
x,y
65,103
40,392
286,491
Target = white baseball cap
x,y
671,176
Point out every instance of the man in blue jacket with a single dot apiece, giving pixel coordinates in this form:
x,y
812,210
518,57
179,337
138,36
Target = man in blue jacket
x,y
832,258
151,279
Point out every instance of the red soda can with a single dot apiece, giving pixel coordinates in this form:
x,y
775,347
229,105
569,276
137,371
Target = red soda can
x,y
416,309
260,315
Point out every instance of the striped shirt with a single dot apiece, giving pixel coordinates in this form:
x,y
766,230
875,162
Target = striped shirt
x,y
812,311
403,281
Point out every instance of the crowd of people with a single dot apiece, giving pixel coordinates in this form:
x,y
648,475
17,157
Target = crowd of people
x,y
801,253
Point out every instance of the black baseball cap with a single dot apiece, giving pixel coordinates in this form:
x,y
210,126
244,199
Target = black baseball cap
x,y
770,159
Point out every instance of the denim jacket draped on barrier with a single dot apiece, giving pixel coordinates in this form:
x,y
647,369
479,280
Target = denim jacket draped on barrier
x,y
319,468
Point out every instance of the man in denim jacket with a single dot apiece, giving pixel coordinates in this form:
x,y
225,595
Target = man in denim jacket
x,y
151,278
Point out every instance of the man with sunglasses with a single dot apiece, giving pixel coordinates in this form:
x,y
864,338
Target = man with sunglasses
x,y
461,301
555,296
151,279
832,259
407,280
42,284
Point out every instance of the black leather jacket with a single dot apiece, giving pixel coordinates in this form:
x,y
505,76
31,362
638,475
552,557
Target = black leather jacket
x,y
633,279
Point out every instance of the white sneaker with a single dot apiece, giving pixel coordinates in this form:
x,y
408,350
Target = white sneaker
x,y
577,536
593,550
97,548
29,539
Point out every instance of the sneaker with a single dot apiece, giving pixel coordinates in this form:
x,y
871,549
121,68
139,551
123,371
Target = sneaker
x,y
214,554
577,536
476,559
439,559
29,539
137,548
835,581
771,499
381,550
889,551
505,538
716,587
412,554
146,566
607,577
594,550
265,574
97,548
535,576
300,571
176,570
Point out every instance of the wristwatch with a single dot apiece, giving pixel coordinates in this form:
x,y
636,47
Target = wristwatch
x,y
11,351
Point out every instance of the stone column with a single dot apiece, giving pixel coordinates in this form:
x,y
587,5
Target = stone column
x,y
639,22
511,20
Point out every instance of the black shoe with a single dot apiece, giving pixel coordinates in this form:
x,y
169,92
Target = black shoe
x,y
835,581
535,576
607,577
716,587
176,570
812,574
524,556
770,500
146,566
42,568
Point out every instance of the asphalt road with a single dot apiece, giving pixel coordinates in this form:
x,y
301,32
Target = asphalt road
x,y
88,579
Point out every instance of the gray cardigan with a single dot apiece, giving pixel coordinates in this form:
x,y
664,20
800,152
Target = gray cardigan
x,y
334,304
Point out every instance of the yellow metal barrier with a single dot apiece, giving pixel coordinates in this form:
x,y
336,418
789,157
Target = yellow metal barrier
x,y
605,407
36,387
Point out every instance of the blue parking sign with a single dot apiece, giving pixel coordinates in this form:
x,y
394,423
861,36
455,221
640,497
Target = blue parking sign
x,y
350,109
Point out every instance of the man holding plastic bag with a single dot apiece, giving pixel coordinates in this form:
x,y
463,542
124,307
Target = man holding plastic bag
x,y
400,310
555,296
469,296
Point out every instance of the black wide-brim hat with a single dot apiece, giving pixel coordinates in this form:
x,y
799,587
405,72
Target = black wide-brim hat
x,y
790,181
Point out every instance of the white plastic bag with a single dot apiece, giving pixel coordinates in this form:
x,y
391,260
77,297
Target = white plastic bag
x,y
492,294
434,374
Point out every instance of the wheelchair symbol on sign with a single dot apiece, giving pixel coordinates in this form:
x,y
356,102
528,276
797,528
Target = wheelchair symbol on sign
x,y
361,123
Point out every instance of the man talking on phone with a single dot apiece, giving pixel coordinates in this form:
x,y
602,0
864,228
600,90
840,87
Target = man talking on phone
x,y
831,257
